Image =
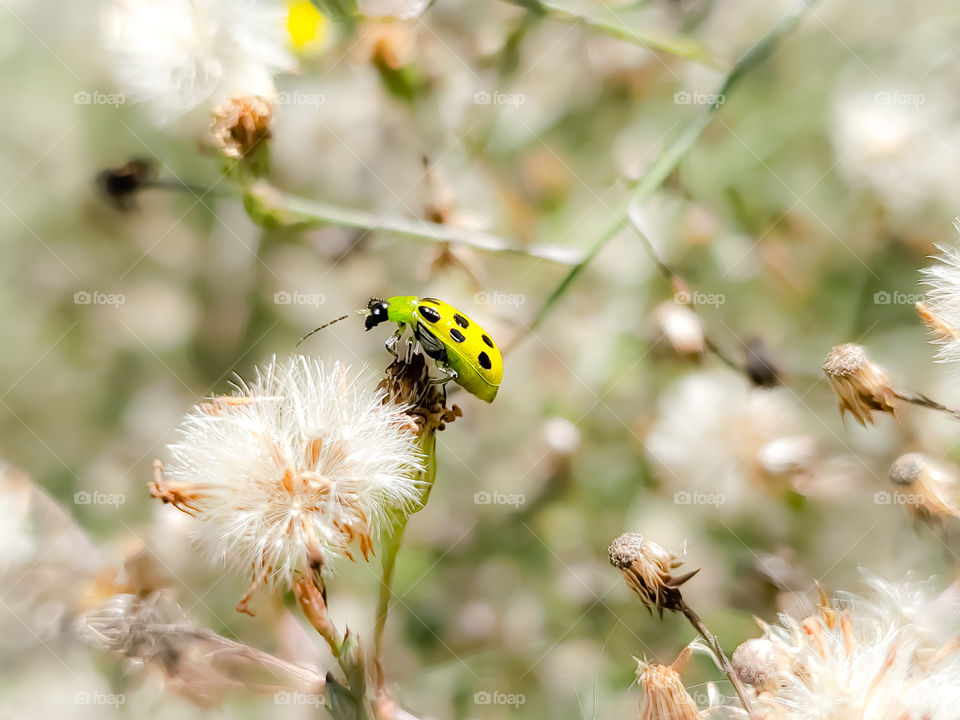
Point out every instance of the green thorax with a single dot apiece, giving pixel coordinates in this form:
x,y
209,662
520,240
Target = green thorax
x,y
402,309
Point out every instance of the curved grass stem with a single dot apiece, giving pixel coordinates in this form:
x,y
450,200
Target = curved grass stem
x,y
669,159
614,26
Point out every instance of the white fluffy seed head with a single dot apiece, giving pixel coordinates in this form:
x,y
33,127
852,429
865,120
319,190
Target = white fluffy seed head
x,y
858,659
177,54
296,468
942,308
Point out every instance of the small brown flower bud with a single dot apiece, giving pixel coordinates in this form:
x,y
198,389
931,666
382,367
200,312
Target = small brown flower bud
x,y
122,184
241,124
759,366
861,387
648,568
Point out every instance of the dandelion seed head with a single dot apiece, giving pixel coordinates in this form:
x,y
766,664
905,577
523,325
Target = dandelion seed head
x,y
709,437
941,311
859,659
178,54
295,469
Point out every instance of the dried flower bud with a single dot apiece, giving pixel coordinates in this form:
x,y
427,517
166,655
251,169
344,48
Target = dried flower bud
x,y
759,366
664,696
121,184
241,124
861,386
757,663
648,568
934,491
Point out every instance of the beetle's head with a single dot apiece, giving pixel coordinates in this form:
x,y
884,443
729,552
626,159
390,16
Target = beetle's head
x,y
376,313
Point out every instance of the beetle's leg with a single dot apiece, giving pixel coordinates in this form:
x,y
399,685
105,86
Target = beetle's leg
x,y
448,374
392,341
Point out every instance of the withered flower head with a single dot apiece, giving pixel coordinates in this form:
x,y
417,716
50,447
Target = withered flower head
x,y
933,490
241,124
861,387
664,696
408,383
648,569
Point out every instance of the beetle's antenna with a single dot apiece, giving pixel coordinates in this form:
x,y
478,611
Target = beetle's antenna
x,y
316,330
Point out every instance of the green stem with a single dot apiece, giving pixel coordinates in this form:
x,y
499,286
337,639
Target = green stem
x,y
391,547
721,657
388,565
272,208
615,27
668,161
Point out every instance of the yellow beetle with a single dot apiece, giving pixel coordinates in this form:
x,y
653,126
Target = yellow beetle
x,y
462,349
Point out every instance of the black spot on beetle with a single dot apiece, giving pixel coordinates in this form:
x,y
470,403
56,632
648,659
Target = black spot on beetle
x,y
484,361
457,335
431,314
487,340
461,320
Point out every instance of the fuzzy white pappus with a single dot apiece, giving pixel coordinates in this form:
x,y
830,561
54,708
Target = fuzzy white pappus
x,y
178,54
294,468
860,659
942,311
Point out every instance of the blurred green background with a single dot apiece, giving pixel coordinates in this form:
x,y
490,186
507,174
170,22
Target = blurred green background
x,y
805,209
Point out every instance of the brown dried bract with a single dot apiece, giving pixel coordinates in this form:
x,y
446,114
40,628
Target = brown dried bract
x,y
408,382
180,495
